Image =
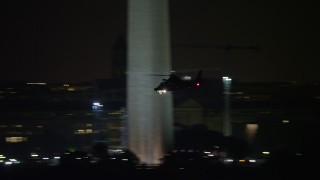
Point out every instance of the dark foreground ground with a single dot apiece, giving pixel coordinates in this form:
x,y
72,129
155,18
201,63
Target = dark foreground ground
x,y
273,169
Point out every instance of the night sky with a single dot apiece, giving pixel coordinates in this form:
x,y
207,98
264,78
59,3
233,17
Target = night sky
x,y
71,41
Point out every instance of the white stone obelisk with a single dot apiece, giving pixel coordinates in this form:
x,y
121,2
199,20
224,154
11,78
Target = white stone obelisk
x,y
150,115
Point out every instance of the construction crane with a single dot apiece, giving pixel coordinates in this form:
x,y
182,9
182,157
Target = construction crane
x,y
226,47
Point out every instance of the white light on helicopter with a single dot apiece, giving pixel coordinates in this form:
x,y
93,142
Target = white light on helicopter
x,y
162,91
187,78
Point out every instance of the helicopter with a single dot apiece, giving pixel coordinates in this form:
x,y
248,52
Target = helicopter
x,y
175,83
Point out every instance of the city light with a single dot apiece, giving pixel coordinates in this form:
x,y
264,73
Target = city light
x,y
37,83
285,121
97,106
16,139
34,155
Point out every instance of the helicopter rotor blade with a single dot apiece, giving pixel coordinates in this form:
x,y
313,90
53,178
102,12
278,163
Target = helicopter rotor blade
x,y
159,74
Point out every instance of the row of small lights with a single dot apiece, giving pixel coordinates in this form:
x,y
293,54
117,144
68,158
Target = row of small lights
x,y
9,161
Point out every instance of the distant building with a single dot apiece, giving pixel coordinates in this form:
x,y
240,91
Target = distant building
x,y
49,118
269,116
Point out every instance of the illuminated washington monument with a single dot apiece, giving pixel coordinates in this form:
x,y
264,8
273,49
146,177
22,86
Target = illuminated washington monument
x,y
150,116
